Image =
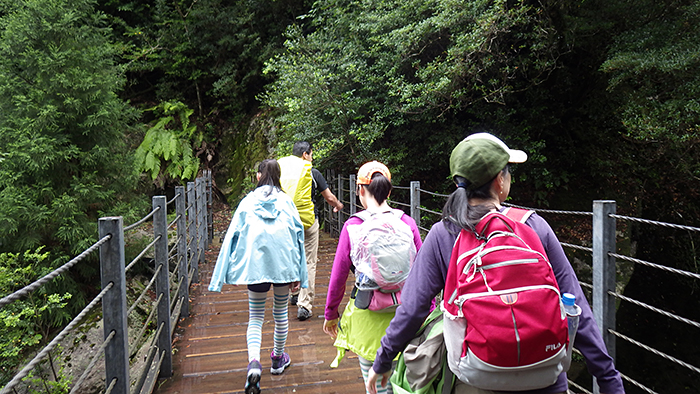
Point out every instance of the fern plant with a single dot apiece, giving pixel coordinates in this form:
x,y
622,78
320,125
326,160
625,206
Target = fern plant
x,y
167,148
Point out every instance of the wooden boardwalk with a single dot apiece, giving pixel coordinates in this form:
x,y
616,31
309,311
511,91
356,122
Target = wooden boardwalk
x,y
210,354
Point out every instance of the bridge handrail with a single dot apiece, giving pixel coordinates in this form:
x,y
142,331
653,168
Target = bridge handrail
x,y
603,253
193,228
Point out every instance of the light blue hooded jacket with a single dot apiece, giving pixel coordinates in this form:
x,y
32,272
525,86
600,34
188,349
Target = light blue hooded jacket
x,y
264,243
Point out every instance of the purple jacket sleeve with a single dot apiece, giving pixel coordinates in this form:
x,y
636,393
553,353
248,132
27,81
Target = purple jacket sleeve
x,y
339,272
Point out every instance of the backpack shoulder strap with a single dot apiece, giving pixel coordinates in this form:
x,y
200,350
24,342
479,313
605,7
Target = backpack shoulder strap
x,y
518,214
397,212
363,215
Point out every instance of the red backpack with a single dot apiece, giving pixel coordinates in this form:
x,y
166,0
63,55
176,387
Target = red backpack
x,y
505,326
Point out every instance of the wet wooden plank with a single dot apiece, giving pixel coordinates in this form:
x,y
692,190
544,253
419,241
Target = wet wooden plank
x,y
210,354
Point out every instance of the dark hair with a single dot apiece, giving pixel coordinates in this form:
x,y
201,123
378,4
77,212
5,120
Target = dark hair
x,y
301,147
457,209
379,187
269,171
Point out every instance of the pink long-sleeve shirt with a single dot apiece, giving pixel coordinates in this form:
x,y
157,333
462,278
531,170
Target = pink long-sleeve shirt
x,y
342,264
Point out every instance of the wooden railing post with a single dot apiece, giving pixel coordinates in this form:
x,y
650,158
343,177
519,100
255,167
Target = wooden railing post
x,y
182,272
162,285
114,310
353,198
415,201
604,228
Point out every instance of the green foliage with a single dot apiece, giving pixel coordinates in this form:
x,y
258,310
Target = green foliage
x,y
206,53
62,125
59,383
653,65
394,80
25,323
166,150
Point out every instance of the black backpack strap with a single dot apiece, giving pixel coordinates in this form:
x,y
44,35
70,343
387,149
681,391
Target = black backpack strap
x,y
448,378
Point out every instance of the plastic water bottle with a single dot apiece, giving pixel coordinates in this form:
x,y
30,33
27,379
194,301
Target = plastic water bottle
x,y
573,312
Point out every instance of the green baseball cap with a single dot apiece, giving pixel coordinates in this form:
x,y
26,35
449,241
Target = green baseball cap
x,y
480,157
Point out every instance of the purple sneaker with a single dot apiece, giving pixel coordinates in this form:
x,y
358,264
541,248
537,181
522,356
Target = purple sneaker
x,y
252,382
279,363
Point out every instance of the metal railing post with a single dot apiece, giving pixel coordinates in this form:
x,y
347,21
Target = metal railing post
x,y
210,211
415,201
604,228
114,310
162,285
353,198
201,223
340,198
191,232
182,275
205,211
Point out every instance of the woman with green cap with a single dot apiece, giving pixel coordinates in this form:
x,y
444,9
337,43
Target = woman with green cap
x,y
479,168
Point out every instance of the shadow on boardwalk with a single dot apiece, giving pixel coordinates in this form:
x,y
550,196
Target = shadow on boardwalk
x,y
210,349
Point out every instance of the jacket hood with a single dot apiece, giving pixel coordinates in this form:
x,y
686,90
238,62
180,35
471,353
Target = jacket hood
x,y
266,204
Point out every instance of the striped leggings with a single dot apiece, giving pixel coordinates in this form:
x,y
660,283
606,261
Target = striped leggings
x,y
256,313
365,365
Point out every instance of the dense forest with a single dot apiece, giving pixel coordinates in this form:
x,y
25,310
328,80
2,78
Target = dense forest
x,y
104,103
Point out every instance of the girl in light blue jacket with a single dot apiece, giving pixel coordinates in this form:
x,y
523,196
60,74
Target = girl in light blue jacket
x,y
263,248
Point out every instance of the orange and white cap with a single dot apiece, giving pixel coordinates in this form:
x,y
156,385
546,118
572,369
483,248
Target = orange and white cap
x,y
364,174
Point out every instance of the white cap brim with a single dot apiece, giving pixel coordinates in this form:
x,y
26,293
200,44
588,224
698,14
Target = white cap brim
x,y
516,156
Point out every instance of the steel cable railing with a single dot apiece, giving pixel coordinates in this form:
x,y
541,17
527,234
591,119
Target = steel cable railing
x,y
143,293
177,195
139,336
45,351
141,221
140,255
47,278
93,362
174,222
656,310
656,352
657,266
639,385
113,272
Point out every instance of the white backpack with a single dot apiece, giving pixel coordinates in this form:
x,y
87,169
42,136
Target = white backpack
x,y
382,250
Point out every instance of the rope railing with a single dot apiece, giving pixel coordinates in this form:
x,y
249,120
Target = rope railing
x,y
655,223
141,221
174,222
656,352
433,193
140,255
657,266
112,384
93,362
577,247
579,387
656,310
152,351
46,279
172,200
639,385
134,347
429,211
149,286
190,225
48,348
